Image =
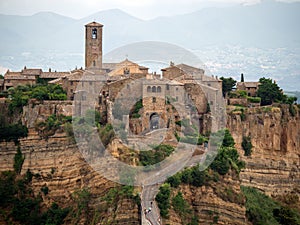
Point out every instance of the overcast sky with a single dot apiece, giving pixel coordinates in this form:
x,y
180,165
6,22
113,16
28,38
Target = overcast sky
x,y
144,9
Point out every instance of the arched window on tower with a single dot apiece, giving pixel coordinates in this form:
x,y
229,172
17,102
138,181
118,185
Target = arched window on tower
x,y
148,89
153,89
158,89
94,33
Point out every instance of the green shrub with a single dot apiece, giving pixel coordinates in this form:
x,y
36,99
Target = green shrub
x,y
18,160
21,94
292,110
247,145
13,132
106,134
181,206
158,154
7,188
163,200
45,190
254,99
263,210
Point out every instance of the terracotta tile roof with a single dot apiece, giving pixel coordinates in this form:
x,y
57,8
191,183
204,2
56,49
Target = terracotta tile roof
x,y
251,84
54,75
18,76
94,24
31,72
110,66
56,81
86,76
190,69
248,84
8,73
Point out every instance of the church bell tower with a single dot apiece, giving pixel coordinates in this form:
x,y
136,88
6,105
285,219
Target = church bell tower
x,y
93,46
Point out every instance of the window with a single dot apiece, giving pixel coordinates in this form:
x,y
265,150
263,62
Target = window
x,y
158,89
177,89
153,99
153,89
176,98
94,33
94,63
71,83
126,71
91,83
168,87
148,89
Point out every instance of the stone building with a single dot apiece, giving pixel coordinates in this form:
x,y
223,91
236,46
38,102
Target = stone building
x,y
93,46
250,87
187,89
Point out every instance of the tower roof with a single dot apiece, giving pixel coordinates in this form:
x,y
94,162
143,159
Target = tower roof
x,y
94,24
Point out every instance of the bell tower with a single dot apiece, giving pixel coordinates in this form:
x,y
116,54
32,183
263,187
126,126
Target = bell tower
x,y
93,46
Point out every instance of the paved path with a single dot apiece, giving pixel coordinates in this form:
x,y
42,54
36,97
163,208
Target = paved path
x,y
148,202
149,191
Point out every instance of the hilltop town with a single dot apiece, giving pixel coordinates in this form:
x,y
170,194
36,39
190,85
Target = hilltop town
x,y
48,153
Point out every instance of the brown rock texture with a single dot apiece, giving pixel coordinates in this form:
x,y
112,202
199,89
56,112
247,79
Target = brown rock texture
x,y
212,203
61,167
273,166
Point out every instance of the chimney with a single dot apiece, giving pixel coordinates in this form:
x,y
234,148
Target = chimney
x,y
49,70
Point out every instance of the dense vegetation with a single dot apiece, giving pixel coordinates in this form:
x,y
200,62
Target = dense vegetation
x,y
263,210
12,132
136,109
227,85
18,202
51,124
163,199
156,155
20,95
190,133
226,159
247,145
270,92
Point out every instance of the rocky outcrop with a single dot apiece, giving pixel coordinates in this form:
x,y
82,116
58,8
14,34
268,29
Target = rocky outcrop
x,y
274,165
57,164
217,203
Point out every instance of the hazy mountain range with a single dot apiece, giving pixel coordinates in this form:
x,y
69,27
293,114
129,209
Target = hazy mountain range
x,y
46,38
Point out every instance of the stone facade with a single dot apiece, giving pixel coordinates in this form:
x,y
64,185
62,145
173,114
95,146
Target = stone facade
x,y
250,87
93,46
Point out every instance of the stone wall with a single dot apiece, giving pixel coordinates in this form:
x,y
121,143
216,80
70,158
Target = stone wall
x,y
40,110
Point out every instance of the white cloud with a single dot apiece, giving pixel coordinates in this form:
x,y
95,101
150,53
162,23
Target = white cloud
x,y
141,8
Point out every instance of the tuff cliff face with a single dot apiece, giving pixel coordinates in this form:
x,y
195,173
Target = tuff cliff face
x,y
274,165
218,203
57,164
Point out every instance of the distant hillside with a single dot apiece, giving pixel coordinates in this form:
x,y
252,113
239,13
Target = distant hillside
x,y
269,24
258,40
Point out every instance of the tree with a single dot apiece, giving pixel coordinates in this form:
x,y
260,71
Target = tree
x,y
227,85
269,91
242,78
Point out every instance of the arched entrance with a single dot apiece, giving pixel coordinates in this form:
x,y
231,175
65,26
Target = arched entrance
x,y
154,121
